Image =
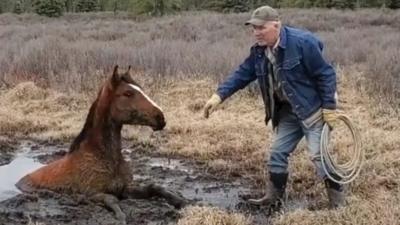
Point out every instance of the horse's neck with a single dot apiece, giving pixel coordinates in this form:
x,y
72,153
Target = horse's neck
x,y
101,135
106,137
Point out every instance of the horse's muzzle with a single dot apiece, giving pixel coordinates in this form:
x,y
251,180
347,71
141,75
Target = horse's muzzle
x,y
160,123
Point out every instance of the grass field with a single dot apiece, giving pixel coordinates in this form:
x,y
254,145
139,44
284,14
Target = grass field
x,y
50,70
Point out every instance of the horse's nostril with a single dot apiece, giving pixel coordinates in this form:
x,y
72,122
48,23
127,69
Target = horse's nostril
x,y
160,120
162,124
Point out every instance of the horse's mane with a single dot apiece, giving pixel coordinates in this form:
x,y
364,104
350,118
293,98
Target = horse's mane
x,y
84,132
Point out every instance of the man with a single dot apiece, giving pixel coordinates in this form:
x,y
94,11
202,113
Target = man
x,y
298,88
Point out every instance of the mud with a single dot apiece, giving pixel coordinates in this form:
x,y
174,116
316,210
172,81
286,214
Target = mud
x,y
180,175
7,149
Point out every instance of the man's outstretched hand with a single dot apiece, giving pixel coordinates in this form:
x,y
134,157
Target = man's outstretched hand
x,y
211,105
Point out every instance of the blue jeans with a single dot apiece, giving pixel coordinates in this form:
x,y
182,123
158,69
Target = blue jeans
x,y
290,131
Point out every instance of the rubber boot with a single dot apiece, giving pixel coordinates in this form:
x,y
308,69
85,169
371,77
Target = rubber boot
x,y
335,193
275,191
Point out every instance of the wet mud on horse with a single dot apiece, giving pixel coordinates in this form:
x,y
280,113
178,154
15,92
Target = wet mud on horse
x,y
94,165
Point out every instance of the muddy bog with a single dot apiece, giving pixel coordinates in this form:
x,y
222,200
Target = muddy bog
x,y
183,176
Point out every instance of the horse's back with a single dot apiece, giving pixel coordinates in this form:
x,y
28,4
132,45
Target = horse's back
x,y
78,172
53,176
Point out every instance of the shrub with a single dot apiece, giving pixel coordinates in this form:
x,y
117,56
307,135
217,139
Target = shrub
x,y
87,5
18,8
50,8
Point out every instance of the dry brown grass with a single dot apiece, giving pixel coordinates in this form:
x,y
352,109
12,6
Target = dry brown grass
x,y
72,52
232,141
32,112
211,216
381,210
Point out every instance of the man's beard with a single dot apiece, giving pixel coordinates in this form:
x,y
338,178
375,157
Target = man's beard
x,y
261,43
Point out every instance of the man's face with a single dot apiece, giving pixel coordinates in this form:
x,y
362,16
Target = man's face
x,y
267,34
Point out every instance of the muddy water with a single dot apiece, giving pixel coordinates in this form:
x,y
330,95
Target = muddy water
x,y
190,182
22,162
52,208
183,176
27,158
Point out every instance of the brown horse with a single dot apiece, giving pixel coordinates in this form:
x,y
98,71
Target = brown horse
x,y
94,164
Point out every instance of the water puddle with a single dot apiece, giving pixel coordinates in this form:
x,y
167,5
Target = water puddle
x,y
11,173
28,158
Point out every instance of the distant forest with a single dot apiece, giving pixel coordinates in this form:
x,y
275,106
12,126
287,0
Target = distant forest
x,y
54,8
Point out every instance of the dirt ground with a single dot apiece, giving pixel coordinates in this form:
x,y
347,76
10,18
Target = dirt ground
x,y
180,175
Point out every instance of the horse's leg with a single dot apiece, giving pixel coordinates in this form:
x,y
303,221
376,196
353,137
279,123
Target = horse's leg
x,y
111,202
153,190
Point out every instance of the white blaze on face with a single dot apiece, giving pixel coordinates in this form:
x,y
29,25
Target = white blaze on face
x,y
147,97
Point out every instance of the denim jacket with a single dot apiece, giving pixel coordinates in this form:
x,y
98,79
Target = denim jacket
x,y
308,81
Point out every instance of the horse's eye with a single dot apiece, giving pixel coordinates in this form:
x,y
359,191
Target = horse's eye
x,y
129,94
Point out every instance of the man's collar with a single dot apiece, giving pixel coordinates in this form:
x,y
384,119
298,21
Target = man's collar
x,y
282,37
276,43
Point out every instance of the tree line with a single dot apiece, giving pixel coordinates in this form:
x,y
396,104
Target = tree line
x,y
54,8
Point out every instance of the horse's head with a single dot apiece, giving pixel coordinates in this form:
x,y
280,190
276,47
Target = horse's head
x,y
130,105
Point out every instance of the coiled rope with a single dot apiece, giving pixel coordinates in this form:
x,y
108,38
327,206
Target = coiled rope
x,y
348,171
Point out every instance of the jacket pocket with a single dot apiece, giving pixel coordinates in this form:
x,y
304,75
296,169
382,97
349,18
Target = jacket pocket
x,y
294,71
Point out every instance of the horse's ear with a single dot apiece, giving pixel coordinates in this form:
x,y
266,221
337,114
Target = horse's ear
x,y
128,75
115,77
128,72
